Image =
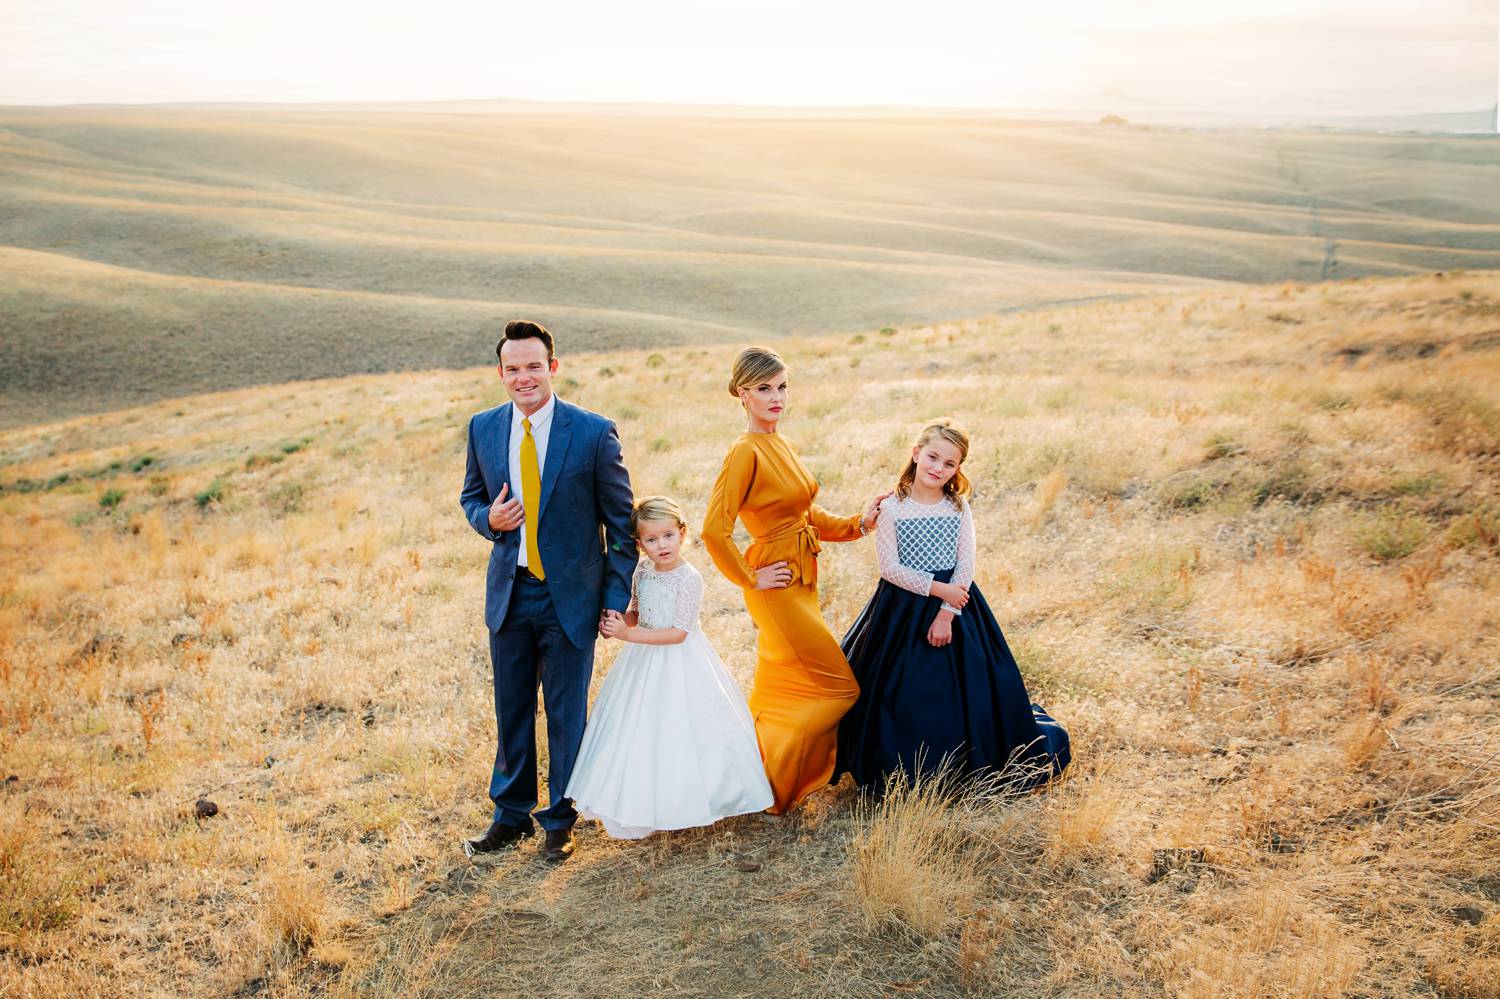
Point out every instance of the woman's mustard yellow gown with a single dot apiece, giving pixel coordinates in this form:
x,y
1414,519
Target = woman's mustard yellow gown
x,y
803,684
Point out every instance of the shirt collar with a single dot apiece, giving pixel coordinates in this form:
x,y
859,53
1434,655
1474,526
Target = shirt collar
x,y
542,416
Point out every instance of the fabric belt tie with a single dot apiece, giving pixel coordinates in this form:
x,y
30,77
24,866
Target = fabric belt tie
x,y
808,545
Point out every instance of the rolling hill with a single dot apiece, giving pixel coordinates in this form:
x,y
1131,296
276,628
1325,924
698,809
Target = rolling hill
x,y
149,253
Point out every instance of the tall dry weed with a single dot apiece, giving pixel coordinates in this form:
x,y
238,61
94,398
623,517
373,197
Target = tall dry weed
x,y
908,865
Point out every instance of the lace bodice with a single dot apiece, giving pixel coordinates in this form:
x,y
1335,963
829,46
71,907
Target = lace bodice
x,y
914,540
666,599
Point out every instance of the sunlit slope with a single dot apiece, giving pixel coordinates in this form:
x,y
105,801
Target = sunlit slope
x,y
655,230
1244,545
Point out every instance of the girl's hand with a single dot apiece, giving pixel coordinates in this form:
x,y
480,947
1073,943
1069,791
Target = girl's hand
x,y
951,594
614,626
872,512
941,632
775,576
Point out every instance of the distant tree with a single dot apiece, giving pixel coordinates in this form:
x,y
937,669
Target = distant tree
x,y
1113,119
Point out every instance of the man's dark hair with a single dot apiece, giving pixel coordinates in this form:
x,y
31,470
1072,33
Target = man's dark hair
x,y
525,329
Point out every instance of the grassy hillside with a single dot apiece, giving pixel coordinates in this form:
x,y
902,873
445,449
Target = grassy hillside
x,y
154,253
1246,547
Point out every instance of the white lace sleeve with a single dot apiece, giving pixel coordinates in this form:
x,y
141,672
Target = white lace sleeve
x,y
963,569
687,588
888,551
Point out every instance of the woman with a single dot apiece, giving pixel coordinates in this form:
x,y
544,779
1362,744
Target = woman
x,y
803,684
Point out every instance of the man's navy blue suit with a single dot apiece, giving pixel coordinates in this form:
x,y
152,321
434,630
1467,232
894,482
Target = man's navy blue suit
x,y
544,631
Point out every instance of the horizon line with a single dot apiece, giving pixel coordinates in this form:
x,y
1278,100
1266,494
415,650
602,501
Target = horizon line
x,y
884,108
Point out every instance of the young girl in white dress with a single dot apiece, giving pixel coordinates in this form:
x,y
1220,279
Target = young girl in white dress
x,y
670,743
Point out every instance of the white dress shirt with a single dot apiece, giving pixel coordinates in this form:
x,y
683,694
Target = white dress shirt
x,y
541,431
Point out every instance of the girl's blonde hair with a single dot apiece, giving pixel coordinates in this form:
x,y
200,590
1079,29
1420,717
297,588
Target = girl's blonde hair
x,y
752,366
655,508
956,488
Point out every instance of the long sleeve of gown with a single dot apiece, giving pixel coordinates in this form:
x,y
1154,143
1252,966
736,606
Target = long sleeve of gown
x,y
888,551
831,528
963,569
730,490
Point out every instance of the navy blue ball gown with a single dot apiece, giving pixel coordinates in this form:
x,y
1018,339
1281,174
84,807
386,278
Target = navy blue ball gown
x,y
919,705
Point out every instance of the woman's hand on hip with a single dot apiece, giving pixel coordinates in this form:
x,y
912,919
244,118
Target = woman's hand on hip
x,y
775,576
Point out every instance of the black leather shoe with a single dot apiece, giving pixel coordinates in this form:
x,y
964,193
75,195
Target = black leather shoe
x,y
557,846
497,837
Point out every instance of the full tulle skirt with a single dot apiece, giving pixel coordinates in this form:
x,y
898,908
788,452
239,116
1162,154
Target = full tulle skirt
x,y
670,744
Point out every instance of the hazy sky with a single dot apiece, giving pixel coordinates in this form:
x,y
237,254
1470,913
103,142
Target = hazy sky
x,y
1324,56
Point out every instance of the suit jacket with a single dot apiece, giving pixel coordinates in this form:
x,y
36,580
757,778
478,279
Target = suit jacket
x,y
584,530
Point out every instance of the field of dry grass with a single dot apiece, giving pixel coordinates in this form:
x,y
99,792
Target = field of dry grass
x,y
1246,546
151,253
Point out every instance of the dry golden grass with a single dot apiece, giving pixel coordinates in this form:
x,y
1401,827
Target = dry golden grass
x,y
1244,546
154,252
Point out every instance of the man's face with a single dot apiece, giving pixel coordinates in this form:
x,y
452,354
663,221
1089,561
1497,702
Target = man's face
x,y
527,373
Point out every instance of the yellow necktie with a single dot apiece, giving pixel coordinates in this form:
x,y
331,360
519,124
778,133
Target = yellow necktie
x,y
531,499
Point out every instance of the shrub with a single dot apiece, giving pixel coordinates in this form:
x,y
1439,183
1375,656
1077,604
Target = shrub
x,y
1188,492
1388,535
32,896
1288,480
1478,529
213,494
111,498
1221,446
1419,485
288,498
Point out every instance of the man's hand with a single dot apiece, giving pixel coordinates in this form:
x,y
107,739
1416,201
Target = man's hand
x,y
505,516
941,632
605,617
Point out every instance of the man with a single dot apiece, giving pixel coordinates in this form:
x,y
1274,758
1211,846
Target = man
x,y
544,482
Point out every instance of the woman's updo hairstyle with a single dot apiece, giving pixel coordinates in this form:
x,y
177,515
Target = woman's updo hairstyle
x,y
752,366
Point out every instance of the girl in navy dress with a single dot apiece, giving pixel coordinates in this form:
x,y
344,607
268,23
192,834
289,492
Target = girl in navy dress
x,y
936,680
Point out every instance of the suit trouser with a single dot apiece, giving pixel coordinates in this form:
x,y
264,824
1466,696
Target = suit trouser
x,y
531,647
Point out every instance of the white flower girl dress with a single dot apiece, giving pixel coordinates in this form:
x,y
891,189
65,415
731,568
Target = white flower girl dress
x,y
670,743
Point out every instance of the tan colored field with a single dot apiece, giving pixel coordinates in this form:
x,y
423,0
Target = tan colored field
x,y
1246,546
150,253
